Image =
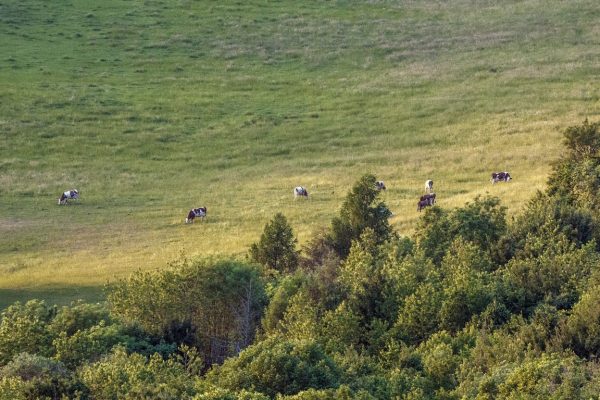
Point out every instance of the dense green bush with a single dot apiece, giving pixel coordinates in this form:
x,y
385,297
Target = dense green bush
x,y
24,328
280,299
576,177
482,222
557,275
87,345
360,210
133,376
79,316
32,376
213,305
468,287
581,330
549,219
278,366
276,248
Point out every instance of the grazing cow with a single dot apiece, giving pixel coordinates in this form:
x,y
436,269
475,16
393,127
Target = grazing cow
x,y
422,204
500,177
199,212
379,185
72,194
429,186
429,197
300,191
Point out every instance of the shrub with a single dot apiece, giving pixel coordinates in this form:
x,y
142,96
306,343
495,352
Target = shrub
x,y
79,316
87,345
482,222
276,248
581,331
124,376
277,366
24,328
360,210
219,302
36,377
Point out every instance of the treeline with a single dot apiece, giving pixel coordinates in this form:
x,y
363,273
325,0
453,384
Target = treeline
x,y
474,306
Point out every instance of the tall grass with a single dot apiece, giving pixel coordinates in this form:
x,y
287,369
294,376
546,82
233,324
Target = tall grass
x,y
151,108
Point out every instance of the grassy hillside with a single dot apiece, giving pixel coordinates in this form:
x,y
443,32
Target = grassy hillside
x,y
150,108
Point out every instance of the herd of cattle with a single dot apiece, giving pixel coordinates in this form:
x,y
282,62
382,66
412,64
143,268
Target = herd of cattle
x,y
428,199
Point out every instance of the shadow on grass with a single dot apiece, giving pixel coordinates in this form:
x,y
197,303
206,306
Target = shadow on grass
x,y
61,296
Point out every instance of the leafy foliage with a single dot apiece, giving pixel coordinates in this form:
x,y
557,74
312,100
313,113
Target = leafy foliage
x,y
576,177
360,210
481,222
278,366
276,248
223,302
121,375
36,377
547,220
581,330
24,329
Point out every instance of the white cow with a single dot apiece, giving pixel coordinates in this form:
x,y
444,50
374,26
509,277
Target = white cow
x,y
429,186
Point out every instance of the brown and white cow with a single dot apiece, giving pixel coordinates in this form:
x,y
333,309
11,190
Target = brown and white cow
x,y
500,177
428,186
300,191
199,212
379,185
72,194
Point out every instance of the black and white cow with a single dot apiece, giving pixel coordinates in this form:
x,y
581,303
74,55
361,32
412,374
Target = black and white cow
x,y
379,185
500,177
300,191
72,194
199,212
428,186
422,204
429,198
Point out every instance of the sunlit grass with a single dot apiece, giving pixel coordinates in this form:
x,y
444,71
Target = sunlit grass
x,y
153,108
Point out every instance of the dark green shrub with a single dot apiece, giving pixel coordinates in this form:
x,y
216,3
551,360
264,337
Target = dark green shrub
x,y
133,376
360,210
278,366
482,222
276,248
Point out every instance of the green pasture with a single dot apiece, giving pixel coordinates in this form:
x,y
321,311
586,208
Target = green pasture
x,y
150,108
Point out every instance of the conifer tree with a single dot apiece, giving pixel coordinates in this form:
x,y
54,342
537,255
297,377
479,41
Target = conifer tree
x,y
276,248
361,210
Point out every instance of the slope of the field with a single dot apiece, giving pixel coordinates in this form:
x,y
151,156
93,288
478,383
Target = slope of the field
x,y
151,107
